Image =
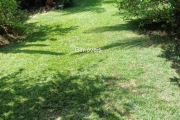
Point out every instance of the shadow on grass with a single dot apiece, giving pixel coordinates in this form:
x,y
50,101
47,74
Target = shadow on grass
x,y
176,81
46,32
88,6
138,42
38,34
172,53
118,27
129,42
85,6
62,95
169,43
15,49
128,26
38,52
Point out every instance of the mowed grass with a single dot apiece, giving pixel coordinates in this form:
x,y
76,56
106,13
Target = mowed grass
x,y
45,76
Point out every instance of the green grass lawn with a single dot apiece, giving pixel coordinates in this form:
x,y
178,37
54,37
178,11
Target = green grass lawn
x,y
45,76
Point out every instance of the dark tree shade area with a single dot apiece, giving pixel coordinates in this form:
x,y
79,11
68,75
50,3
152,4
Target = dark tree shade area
x,y
28,4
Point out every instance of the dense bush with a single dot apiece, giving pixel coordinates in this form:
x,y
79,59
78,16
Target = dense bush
x,y
153,11
11,18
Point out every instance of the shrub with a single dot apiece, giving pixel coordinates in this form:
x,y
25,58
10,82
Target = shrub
x,y
153,11
11,18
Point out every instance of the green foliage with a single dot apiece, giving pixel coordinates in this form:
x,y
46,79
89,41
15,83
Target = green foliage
x,y
11,17
159,11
